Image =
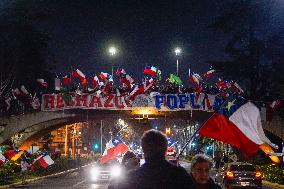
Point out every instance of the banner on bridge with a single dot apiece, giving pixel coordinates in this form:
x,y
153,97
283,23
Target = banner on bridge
x,y
166,102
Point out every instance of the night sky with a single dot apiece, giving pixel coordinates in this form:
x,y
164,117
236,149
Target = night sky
x,y
145,32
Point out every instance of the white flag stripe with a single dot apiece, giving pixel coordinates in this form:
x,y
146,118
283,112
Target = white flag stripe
x,y
245,118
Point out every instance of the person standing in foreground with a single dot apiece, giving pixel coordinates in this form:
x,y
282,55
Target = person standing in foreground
x,y
156,172
200,169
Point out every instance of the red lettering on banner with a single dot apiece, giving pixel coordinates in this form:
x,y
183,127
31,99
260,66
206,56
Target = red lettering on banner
x,y
59,101
82,98
108,102
48,101
96,100
118,102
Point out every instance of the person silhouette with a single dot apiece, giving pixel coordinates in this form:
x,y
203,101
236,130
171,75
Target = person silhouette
x,y
156,172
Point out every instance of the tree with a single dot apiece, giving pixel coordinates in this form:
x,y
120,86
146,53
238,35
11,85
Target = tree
x,y
23,48
255,56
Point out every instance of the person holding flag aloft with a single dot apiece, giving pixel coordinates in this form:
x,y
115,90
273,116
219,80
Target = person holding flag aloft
x,y
156,172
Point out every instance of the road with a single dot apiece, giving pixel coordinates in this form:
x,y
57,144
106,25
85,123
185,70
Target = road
x,y
75,180
70,180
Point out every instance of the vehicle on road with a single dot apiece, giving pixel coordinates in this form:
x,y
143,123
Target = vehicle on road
x,y
104,172
239,175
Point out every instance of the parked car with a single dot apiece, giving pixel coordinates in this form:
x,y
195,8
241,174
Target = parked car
x,y
239,175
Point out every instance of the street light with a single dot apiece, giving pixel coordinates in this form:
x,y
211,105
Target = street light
x,y
112,52
177,52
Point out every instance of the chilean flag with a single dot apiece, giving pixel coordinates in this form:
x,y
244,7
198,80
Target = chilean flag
x,y
96,82
78,74
9,154
42,82
113,148
2,159
127,81
45,161
66,80
237,123
151,70
208,74
194,78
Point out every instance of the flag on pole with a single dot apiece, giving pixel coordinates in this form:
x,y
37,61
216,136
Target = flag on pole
x,y
9,154
95,82
171,142
151,70
275,104
208,74
114,148
66,79
78,74
120,71
57,84
45,161
194,78
175,79
24,91
237,123
2,159
42,82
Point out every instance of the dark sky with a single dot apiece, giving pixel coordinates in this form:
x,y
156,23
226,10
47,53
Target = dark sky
x,y
144,31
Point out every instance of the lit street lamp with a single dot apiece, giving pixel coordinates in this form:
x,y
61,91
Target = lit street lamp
x,y
112,52
177,52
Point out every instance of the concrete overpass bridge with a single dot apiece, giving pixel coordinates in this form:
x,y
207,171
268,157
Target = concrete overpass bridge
x,y
32,126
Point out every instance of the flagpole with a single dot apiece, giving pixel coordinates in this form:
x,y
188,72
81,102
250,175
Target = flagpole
x,y
198,129
101,131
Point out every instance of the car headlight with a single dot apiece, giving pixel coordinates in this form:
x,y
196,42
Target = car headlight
x,y
94,172
116,171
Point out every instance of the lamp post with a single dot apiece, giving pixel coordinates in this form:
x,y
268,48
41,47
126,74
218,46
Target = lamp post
x,y
112,52
177,52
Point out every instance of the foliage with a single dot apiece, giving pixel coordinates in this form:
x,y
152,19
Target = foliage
x,y
8,171
24,48
255,56
273,173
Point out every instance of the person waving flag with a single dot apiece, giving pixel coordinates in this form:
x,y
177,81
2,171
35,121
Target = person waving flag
x,y
114,148
238,123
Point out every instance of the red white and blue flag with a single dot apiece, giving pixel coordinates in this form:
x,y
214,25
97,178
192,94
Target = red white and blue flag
x,y
96,82
2,159
171,142
194,78
237,123
275,104
44,160
120,71
151,70
78,74
9,154
114,148
66,79
208,74
42,83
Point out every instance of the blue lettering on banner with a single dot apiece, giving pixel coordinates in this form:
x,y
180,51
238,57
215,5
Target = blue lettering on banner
x,y
158,101
192,100
183,99
172,101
